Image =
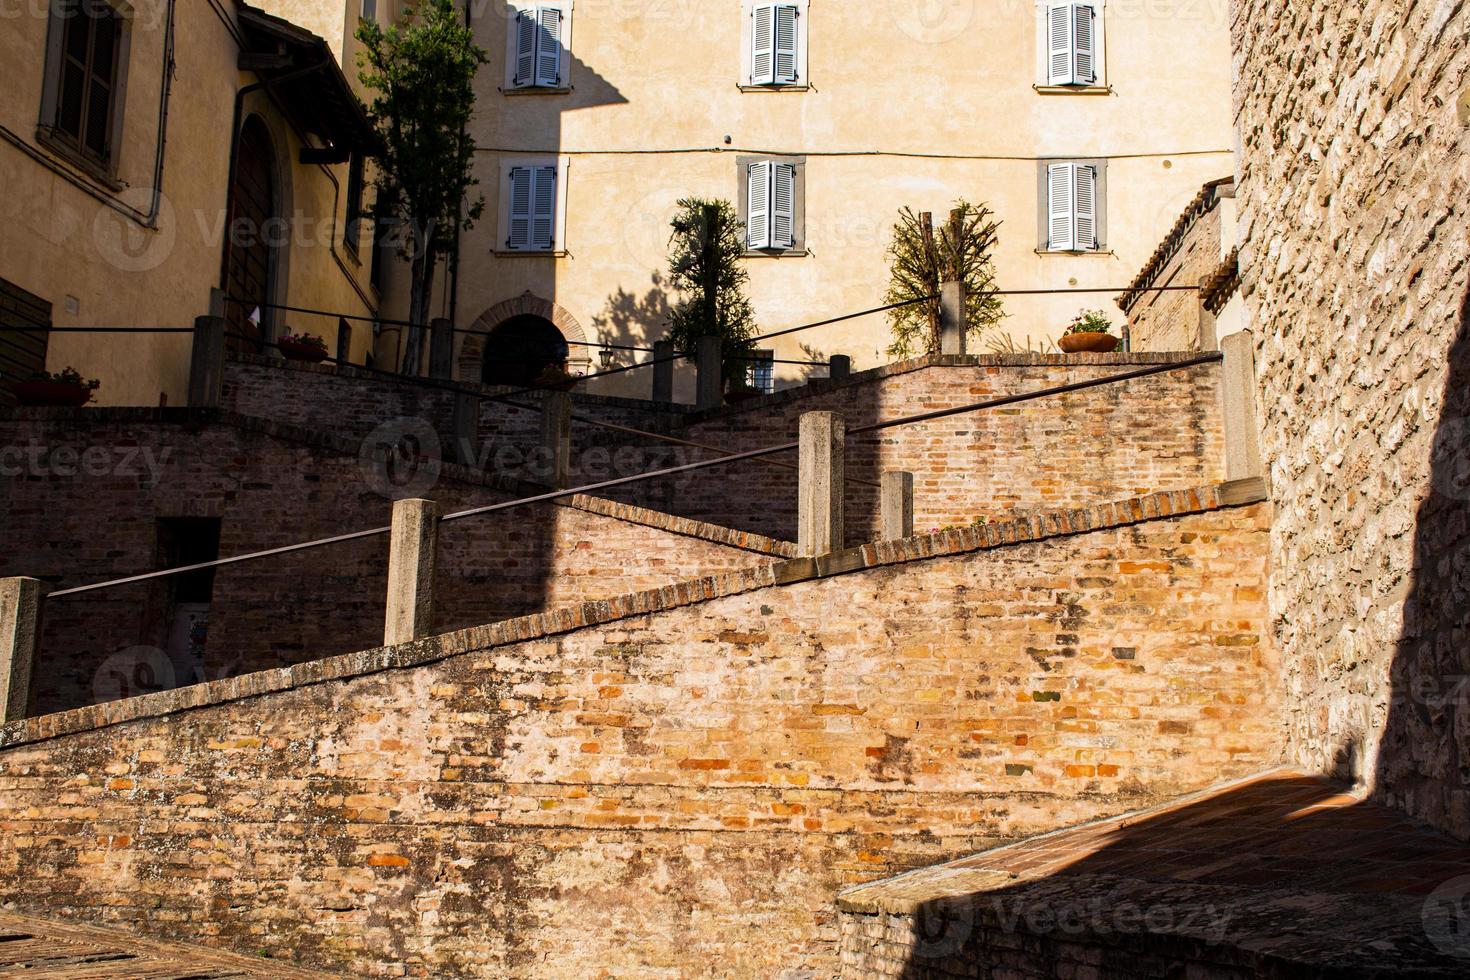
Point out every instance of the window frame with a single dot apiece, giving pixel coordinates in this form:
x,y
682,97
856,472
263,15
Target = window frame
x,y
1100,205
1043,84
47,133
798,209
352,214
747,82
559,222
514,10
762,357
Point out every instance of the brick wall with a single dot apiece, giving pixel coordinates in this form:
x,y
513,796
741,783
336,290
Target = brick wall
x,y
1190,255
1158,433
682,777
1354,180
96,517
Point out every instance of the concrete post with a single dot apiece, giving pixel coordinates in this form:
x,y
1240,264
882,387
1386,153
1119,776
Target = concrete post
x,y
441,349
216,301
1242,436
207,362
556,436
465,424
896,505
663,371
710,387
839,368
951,317
20,631
820,484
413,543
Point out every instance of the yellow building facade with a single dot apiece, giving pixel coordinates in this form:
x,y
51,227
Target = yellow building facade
x,y
864,106
127,132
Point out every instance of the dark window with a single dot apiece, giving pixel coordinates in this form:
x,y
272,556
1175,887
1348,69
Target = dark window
x,y
762,371
87,84
344,340
189,541
353,231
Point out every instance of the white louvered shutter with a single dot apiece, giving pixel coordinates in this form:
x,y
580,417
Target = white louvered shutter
x,y
758,206
548,46
519,232
1084,44
783,205
1085,208
763,45
786,43
1059,23
525,28
1061,234
543,208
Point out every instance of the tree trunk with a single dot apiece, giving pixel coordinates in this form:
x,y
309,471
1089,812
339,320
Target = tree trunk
x,y
421,289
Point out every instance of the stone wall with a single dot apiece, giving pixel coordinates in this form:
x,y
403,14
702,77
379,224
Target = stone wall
x,y
1158,433
1190,255
95,486
1354,180
679,777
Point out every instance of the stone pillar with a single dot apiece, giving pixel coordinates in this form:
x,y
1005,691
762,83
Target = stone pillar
x,y
216,301
413,543
710,387
465,424
20,632
1242,435
1208,333
441,349
839,368
820,484
663,371
952,317
207,362
556,437
896,506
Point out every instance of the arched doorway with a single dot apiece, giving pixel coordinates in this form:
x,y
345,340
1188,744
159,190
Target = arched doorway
x,y
517,350
249,268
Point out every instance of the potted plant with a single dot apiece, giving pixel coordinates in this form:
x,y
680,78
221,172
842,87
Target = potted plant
x,y
1089,333
302,347
554,377
64,389
740,391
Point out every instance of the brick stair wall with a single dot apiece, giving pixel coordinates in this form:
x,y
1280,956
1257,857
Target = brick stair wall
x,y
684,775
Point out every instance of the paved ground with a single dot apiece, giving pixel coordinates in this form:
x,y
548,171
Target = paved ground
x,y
1286,868
48,950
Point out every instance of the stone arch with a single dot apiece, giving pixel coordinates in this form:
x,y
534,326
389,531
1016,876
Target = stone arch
x,y
472,351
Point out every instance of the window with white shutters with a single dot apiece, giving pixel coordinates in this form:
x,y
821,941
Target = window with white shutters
x,y
1073,207
531,224
1072,43
776,44
770,211
537,50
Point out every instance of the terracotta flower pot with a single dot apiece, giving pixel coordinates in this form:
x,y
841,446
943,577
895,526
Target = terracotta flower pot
x,y
1091,343
53,393
294,350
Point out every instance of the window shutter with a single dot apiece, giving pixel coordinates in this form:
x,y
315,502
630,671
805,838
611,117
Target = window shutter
x,y
1059,44
763,45
543,208
1086,208
1060,179
1085,44
99,86
548,46
757,206
526,47
783,205
785,43
519,236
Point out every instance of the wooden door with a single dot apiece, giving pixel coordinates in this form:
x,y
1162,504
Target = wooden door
x,y
248,253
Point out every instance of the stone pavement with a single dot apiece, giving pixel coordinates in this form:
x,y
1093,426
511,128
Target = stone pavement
x,y
44,949
1282,875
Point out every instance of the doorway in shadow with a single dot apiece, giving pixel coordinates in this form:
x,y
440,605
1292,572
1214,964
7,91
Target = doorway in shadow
x,y
519,349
